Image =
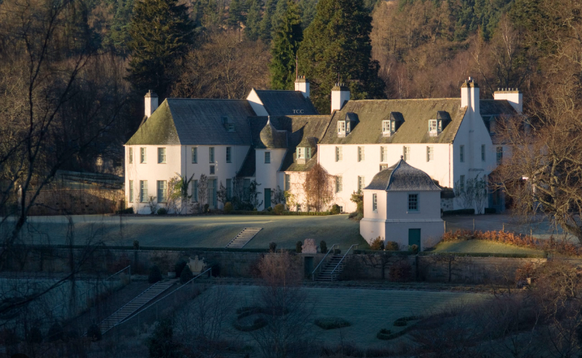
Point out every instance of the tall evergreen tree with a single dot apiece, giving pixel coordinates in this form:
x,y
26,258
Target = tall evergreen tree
x,y
267,21
235,16
118,37
161,35
253,21
307,8
278,15
286,41
337,44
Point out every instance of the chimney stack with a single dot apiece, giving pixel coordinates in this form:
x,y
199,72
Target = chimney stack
x,y
150,103
340,94
511,95
302,85
470,95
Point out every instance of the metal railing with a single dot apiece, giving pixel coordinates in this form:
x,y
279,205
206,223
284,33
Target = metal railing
x,y
333,272
322,261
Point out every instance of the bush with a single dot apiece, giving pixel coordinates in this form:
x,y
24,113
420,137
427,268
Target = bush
x,y
178,267
331,323
34,336
162,211
155,274
400,271
413,249
228,207
392,246
125,211
279,209
322,246
94,332
272,246
186,274
335,209
206,208
377,244
298,247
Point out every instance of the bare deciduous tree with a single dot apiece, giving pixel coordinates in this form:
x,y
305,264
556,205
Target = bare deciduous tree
x,y
318,187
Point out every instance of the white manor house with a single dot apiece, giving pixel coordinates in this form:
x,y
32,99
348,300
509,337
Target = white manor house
x,y
273,138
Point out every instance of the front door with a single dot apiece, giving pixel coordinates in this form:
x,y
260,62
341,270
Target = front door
x,y
414,237
267,198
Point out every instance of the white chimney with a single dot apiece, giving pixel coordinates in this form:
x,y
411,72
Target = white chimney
x,y
511,95
150,103
340,94
470,95
302,85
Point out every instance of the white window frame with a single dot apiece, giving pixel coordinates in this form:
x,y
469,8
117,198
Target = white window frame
x,y
161,155
211,153
483,152
429,153
195,191
162,191
338,184
375,202
341,128
406,153
338,154
212,170
130,155
462,153
361,183
229,154
194,155
361,154
383,166
143,155
287,184
413,202
131,191
143,191
383,154
267,157
300,153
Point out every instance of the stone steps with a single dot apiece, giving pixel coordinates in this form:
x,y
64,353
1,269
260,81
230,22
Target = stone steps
x,y
243,237
325,274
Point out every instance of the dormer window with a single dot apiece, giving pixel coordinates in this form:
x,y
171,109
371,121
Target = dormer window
x,y
228,125
341,128
435,127
303,154
388,127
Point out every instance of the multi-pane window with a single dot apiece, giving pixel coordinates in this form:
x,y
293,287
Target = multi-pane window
x,y
462,182
212,170
341,127
143,191
361,154
405,153
287,182
338,184
195,190
499,155
162,191
383,166
361,181
383,152
338,154
130,155
229,154
267,157
211,155
131,191
161,155
482,152
375,202
429,153
462,153
194,155
432,126
386,127
412,202
142,155
229,188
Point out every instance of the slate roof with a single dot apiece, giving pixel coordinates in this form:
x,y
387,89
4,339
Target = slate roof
x,y
414,129
402,177
286,103
270,137
498,109
188,121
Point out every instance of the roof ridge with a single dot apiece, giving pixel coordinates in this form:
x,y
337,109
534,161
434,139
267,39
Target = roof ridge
x,y
207,99
392,173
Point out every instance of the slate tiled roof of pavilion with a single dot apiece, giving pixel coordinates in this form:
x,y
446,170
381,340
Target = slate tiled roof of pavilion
x,y
188,121
402,177
285,103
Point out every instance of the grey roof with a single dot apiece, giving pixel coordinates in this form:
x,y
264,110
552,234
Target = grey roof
x,y
249,165
414,129
196,122
497,109
402,177
286,103
270,137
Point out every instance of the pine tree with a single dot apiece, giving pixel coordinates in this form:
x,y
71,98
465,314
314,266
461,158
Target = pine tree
x,y
267,21
337,44
253,22
286,41
161,35
307,8
235,14
278,15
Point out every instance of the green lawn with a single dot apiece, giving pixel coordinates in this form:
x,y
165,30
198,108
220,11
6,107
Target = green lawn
x,y
483,247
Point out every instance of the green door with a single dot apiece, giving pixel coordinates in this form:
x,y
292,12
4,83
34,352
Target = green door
x,y
267,198
414,237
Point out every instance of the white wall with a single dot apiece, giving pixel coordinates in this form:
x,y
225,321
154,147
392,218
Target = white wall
x,y
267,173
431,231
256,104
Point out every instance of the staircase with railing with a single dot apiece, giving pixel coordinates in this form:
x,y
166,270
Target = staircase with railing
x,y
332,268
322,264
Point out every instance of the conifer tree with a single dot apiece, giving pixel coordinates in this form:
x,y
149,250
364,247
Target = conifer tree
x,y
337,45
278,15
286,41
267,21
161,35
235,14
253,21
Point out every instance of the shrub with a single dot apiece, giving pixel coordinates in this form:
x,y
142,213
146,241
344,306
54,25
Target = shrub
x,y
178,267
162,211
228,207
125,211
186,274
94,332
400,271
331,323
413,249
299,247
34,336
279,209
392,246
272,246
335,209
377,244
155,274
206,208
322,246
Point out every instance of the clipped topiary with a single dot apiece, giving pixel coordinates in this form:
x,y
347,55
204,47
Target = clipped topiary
x,y
94,332
178,267
186,274
228,207
322,246
279,209
335,209
377,244
392,246
272,246
155,274
162,211
299,247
